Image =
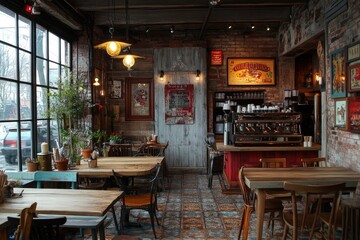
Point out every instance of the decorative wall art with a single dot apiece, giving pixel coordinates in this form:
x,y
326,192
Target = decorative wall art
x,y
116,88
340,113
354,114
338,77
139,99
251,71
179,104
354,77
353,52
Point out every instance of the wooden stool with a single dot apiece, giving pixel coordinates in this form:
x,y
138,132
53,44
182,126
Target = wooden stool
x,y
351,218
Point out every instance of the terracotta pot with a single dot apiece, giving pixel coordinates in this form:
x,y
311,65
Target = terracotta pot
x,y
32,166
62,165
86,153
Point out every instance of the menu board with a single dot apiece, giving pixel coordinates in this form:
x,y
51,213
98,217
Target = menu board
x,y
179,104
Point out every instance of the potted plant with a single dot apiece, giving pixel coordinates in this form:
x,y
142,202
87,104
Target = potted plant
x,y
98,138
62,164
32,164
69,106
116,139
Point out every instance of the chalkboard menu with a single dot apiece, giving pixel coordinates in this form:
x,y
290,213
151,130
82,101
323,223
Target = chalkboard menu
x,y
179,104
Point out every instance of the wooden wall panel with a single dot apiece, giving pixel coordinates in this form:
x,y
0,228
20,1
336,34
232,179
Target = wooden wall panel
x,y
187,149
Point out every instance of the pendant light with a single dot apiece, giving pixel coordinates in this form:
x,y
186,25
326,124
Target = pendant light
x,y
112,47
128,58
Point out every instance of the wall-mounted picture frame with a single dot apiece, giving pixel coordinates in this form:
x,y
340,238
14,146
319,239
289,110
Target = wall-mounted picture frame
x,y
251,71
115,88
340,113
139,99
338,73
179,104
353,52
354,77
354,114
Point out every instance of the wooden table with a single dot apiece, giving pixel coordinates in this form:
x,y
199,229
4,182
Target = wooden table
x,y
127,166
265,180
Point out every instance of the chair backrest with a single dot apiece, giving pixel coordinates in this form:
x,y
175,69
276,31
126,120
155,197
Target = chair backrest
x,y
273,162
42,228
157,149
314,162
210,142
24,222
246,192
314,190
117,150
53,176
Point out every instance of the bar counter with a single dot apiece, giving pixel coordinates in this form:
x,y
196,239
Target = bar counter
x,y
237,156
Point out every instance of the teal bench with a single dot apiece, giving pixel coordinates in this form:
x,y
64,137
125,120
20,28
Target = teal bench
x,y
54,176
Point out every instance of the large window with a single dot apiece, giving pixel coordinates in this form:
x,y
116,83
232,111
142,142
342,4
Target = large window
x,y
32,60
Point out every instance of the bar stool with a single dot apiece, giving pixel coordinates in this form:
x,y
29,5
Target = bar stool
x,y
214,156
351,218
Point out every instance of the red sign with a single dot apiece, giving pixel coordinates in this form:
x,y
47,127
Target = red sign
x,y
216,57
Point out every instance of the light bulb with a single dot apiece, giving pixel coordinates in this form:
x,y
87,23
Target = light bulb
x,y
129,61
113,48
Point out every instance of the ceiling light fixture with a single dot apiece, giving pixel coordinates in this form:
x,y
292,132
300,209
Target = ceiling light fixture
x,y
172,29
96,83
268,28
147,30
229,26
112,47
214,2
252,26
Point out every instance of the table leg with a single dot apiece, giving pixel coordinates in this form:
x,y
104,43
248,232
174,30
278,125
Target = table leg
x,y
260,209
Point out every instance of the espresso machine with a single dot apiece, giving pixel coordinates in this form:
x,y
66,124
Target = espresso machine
x,y
228,124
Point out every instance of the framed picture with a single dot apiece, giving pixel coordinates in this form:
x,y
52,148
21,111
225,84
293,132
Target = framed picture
x,y
179,104
354,114
353,52
139,99
340,113
116,88
338,77
354,77
251,71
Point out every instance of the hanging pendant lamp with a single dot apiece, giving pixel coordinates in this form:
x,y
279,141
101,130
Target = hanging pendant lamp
x,y
112,47
128,59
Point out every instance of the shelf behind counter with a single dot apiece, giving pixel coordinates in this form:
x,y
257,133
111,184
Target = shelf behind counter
x,y
237,156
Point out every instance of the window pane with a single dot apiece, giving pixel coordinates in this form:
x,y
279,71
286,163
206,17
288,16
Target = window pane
x,y
7,26
54,72
65,53
24,33
41,72
25,101
43,136
41,43
8,63
25,66
8,104
54,48
42,102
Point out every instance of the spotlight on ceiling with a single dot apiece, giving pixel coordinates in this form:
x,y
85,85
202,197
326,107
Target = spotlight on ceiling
x,y
268,28
229,26
252,26
172,29
147,30
214,2
36,10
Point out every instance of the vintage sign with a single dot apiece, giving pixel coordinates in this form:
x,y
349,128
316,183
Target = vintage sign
x,y
251,71
216,57
179,104
354,114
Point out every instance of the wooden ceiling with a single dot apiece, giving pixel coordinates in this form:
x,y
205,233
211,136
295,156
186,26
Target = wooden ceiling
x,y
197,16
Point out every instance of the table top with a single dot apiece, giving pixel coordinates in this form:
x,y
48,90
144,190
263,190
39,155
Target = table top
x,y
267,178
63,201
127,166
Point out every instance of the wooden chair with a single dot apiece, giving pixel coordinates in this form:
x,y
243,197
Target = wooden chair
x,y
273,162
118,150
141,200
34,228
308,220
271,206
313,162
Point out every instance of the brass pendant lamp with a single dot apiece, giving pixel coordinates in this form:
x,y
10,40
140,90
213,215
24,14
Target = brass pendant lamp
x,y
112,47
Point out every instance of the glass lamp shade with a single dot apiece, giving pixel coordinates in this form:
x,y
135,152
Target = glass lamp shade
x,y
113,48
129,61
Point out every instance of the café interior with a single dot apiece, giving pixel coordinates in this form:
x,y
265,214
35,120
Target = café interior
x,y
203,119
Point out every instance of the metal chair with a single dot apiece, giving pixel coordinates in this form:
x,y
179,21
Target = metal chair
x,y
214,156
118,150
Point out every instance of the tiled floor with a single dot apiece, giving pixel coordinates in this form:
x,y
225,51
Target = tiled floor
x,y
189,210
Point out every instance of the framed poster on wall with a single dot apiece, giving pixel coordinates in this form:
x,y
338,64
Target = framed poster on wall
x,y
179,104
251,71
139,99
338,76
116,88
354,78
354,114
340,113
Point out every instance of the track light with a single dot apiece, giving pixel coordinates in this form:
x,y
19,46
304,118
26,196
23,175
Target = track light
x,y
252,26
162,75
268,28
36,10
172,29
229,26
147,30
197,75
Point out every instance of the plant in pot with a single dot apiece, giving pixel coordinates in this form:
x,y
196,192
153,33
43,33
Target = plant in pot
x,y
69,105
85,143
32,164
97,138
116,139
